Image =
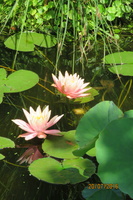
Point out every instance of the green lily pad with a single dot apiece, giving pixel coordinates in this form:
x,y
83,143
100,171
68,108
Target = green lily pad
x,y
121,62
93,122
26,41
61,147
70,171
1,156
18,81
6,143
114,150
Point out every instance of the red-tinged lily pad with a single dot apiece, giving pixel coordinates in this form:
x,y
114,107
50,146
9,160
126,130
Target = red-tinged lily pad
x,y
69,171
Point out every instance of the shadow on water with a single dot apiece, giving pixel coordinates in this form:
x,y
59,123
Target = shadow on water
x,y
15,180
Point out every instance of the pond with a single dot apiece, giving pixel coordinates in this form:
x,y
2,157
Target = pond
x,y
16,182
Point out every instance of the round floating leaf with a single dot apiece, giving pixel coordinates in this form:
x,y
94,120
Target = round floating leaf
x,y
44,40
55,172
119,58
122,63
26,41
6,143
20,42
61,147
94,121
1,157
114,150
20,80
125,69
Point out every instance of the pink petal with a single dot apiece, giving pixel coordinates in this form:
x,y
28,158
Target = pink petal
x,y
28,136
53,132
23,125
53,121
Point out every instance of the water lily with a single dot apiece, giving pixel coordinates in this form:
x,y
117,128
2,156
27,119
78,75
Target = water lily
x,y
38,123
70,85
31,154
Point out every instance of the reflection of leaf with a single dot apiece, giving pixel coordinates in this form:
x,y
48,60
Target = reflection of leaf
x,y
17,81
122,63
68,171
26,41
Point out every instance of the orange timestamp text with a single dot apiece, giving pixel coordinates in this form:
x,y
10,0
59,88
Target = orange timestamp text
x,y
102,186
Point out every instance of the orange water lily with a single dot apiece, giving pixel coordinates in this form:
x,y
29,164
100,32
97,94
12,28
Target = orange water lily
x,y
70,85
38,123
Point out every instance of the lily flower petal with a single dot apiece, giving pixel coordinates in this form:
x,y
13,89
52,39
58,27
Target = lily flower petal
x,y
70,85
38,123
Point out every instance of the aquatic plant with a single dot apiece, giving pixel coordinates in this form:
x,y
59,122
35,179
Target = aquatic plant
x,y
38,123
70,85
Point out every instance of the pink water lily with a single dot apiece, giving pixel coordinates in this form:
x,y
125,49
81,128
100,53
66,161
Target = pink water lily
x,y
38,123
70,85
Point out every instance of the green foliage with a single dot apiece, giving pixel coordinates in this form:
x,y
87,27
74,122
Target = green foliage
x,y
114,154
122,63
1,157
93,122
26,41
6,143
17,81
61,147
68,171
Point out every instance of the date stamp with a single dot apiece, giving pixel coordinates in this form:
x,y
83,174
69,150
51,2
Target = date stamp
x,y
103,186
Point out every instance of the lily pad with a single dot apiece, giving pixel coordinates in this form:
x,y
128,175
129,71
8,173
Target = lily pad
x,y
6,143
93,122
1,156
61,147
17,81
26,41
70,171
121,62
114,150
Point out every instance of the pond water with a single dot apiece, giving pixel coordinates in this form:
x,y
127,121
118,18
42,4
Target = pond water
x,y
15,180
